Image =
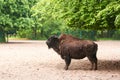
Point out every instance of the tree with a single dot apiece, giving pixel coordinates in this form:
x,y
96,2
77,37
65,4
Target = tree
x,y
79,14
84,14
44,13
108,18
15,15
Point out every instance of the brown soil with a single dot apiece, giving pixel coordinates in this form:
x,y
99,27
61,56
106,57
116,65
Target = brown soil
x,y
32,60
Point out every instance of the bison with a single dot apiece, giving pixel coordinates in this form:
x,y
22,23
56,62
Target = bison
x,y
69,47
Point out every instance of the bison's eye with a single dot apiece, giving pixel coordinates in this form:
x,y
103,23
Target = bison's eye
x,y
49,39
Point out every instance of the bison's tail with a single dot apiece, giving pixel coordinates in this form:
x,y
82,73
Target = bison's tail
x,y
95,49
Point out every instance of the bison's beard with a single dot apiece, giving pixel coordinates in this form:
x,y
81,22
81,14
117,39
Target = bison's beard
x,y
48,45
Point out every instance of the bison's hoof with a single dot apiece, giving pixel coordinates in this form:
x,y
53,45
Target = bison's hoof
x,y
66,68
95,69
91,68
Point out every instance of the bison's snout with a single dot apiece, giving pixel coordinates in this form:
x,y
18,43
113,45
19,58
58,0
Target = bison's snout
x,y
48,44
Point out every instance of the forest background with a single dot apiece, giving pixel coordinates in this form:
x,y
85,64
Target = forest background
x,y
39,19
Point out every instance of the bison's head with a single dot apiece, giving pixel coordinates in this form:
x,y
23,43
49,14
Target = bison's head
x,y
52,41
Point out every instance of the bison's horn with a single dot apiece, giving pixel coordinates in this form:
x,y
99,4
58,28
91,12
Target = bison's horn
x,y
55,36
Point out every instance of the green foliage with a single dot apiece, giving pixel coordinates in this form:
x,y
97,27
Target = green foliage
x,y
83,14
116,35
108,17
43,12
15,15
36,19
23,33
75,13
117,21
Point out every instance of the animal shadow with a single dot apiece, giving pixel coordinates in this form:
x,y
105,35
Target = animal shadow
x,y
103,65
113,65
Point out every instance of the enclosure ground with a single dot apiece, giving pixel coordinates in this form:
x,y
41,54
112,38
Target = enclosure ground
x,y
32,60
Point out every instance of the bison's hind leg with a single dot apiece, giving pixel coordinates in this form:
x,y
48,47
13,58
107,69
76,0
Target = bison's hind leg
x,y
93,60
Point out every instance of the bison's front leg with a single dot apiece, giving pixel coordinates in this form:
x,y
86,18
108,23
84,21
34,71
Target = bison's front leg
x,y
67,61
62,56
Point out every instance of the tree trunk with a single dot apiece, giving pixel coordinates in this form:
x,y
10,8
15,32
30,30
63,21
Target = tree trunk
x,y
35,32
2,36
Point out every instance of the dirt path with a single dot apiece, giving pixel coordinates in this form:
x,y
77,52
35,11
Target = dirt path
x,y
32,60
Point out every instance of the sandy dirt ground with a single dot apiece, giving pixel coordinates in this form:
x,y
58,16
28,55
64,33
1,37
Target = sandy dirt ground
x,y
32,60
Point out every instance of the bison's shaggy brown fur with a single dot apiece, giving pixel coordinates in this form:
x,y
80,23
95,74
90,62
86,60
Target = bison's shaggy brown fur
x,y
69,47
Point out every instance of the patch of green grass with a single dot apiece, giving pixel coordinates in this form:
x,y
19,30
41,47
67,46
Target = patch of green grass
x,y
17,38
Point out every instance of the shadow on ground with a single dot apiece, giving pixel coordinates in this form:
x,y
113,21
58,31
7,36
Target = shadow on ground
x,y
26,42
19,43
103,65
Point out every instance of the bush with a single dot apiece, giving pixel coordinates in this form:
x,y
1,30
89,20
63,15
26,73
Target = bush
x,y
116,35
